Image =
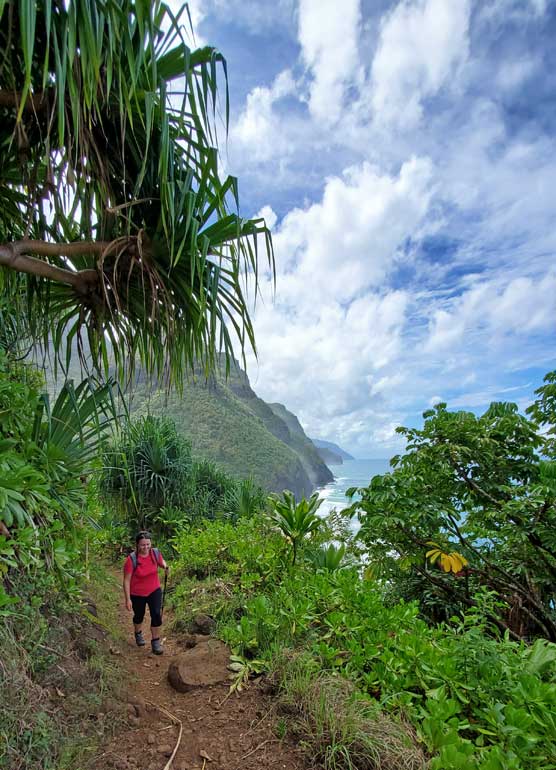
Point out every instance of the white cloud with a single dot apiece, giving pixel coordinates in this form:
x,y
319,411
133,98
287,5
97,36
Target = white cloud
x,y
517,11
515,73
446,330
269,216
324,360
328,35
349,240
430,129
258,131
521,307
331,342
422,45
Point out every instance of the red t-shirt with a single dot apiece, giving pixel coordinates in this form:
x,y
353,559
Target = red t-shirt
x,y
144,579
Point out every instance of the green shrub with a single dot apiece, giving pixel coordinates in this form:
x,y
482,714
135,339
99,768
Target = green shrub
x,y
476,700
147,468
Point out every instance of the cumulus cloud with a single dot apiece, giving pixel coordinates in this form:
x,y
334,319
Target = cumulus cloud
x,y
406,160
258,130
350,239
422,45
269,216
332,337
326,358
328,35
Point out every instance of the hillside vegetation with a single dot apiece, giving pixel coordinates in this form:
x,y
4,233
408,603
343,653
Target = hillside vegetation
x,y
226,422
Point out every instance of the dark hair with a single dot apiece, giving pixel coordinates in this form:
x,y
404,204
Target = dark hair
x,y
143,535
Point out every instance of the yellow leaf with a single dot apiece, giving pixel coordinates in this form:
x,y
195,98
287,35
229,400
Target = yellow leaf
x,y
459,561
435,555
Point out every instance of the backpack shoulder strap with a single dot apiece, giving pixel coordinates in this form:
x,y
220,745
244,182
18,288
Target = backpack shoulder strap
x,y
156,554
133,557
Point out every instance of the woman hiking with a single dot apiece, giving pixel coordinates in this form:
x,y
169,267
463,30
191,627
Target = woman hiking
x,y
142,587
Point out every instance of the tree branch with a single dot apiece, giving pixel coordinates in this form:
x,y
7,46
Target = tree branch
x,y
508,578
465,600
544,621
15,256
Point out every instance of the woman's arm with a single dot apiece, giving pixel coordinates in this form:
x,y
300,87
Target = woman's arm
x,y
126,586
161,562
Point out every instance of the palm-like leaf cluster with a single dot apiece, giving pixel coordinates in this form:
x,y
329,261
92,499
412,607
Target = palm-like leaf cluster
x,y
148,469
329,557
114,221
67,437
295,520
47,452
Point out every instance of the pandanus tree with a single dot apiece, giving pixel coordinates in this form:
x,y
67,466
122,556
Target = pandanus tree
x,y
117,233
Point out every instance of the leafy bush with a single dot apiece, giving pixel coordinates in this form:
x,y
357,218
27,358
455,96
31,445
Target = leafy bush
x,y
46,453
476,700
481,487
222,549
151,479
295,520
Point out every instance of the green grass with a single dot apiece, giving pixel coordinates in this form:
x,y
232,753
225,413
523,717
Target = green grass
x,y
49,692
337,728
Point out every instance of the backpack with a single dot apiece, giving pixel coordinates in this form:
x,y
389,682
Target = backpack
x,y
154,552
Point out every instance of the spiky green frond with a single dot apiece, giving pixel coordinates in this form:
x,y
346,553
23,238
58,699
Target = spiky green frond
x,y
111,201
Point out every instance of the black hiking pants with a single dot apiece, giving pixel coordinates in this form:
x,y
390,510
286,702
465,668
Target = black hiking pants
x,y
154,601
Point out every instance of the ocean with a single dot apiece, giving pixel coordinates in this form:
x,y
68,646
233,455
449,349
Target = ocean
x,y
353,473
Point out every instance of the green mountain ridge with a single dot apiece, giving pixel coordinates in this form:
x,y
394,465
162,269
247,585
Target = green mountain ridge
x,y
330,446
302,445
329,457
227,422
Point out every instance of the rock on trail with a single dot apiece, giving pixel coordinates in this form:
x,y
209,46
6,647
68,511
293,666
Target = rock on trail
x,y
203,665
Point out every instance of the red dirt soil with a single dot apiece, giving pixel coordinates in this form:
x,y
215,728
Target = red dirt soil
x,y
219,731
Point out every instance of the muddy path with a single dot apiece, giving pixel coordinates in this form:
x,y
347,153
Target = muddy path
x,y
202,729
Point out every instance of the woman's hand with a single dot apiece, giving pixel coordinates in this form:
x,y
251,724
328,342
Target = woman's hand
x,y
128,605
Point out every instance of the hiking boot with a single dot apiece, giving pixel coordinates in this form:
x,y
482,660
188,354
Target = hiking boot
x,y
139,639
157,648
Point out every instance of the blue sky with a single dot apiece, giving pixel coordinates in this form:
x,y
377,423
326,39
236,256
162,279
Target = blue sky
x,y
404,155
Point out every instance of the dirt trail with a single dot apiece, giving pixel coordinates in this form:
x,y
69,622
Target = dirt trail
x,y
217,732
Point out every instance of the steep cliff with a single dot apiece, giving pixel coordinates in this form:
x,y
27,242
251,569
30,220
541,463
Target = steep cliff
x,y
227,422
